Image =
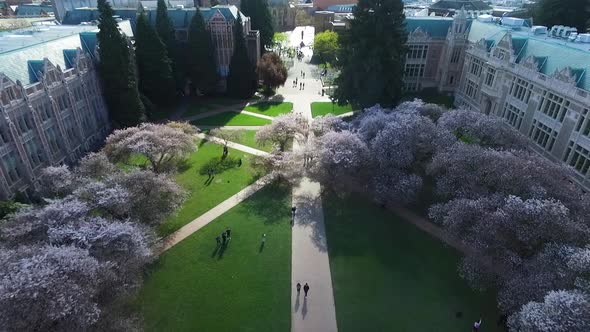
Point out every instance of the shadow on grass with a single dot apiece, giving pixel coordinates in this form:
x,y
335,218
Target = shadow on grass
x,y
219,165
269,205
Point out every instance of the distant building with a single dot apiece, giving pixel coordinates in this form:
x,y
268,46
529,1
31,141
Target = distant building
x,y
50,101
219,19
449,8
536,80
324,4
283,14
34,10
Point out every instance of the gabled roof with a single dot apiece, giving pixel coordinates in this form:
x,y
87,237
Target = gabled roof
x,y
35,67
436,27
70,57
550,54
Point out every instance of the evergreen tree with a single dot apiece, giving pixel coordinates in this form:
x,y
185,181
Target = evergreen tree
x,y
202,68
165,30
574,13
241,81
260,19
372,55
155,74
117,71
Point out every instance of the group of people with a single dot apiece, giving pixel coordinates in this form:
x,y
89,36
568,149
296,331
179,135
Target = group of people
x,y
305,289
223,238
297,82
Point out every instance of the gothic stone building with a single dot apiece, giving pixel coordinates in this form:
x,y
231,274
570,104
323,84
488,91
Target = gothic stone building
x,y
50,101
538,83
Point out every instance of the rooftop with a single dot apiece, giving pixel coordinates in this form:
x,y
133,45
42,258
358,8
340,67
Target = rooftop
x,y
551,53
456,5
436,27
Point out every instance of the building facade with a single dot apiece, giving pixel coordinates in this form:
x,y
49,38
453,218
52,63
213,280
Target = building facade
x,y
52,110
283,14
537,83
436,47
219,19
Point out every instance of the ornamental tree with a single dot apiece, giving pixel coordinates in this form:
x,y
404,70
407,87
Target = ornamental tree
x,y
281,131
161,145
271,72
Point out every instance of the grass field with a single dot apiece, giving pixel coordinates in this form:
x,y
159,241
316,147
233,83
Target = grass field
x,y
325,108
390,276
231,119
270,108
228,180
206,104
195,286
248,138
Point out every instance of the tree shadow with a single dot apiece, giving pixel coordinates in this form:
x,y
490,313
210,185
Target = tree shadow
x,y
309,209
219,165
270,206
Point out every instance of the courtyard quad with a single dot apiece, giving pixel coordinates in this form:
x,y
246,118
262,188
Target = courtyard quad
x,y
231,119
390,276
198,286
203,194
270,108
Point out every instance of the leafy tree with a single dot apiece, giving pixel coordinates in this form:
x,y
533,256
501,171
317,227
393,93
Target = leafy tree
x,y
325,45
574,13
241,80
271,72
117,71
165,30
161,145
155,74
202,68
9,207
372,55
260,19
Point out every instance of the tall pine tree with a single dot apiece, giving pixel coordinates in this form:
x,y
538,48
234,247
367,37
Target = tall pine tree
x,y
241,80
372,55
260,19
202,68
117,71
155,74
165,30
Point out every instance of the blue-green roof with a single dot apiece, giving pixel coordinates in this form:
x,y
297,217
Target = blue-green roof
x,y
551,53
35,67
342,8
436,27
33,10
70,57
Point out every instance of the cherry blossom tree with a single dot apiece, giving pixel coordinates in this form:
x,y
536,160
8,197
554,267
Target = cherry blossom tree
x,y
560,311
48,288
56,181
328,123
227,135
282,130
163,146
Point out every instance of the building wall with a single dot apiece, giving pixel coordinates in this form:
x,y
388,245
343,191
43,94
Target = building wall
x,y
51,122
548,109
283,17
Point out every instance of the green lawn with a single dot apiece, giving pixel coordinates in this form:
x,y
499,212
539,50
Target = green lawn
x,y
197,287
228,180
326,107
206,104
432,97
390,276
270,108
248,138
231,119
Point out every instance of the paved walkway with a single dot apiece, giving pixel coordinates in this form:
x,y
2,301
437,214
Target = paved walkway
x,y
212,214
257,115
233,145
309,261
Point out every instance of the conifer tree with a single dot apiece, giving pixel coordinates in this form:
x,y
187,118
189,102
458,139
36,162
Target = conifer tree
x,y
372,55
575,13
202,68
241,81
260,19
117,71
165,30
155,74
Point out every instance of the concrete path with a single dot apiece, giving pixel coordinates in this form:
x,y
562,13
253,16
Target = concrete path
x,y
257,115
233,145
212,214
309,260
310,264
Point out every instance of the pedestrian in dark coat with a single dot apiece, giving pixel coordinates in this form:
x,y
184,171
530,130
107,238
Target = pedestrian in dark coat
x,y
306,289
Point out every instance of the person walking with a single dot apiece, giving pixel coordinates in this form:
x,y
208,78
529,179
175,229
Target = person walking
x,y
306,289
477,325
263,240
300,85
298,288
228,233
223,238
303,86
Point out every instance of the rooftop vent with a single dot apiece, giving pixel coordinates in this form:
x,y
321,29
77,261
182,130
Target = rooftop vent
x,y
179,7
539,30
513,22
583,38
485,18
